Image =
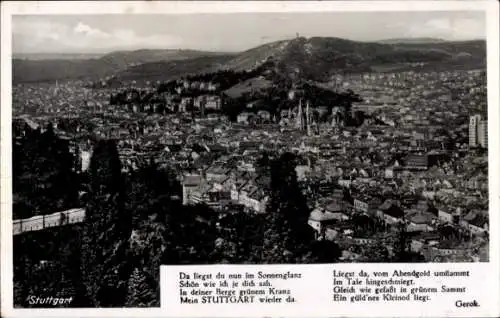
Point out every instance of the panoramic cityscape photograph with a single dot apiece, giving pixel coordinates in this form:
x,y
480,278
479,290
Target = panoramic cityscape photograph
x,y
241,138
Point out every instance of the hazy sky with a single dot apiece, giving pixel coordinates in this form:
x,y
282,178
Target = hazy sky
x,y
229,32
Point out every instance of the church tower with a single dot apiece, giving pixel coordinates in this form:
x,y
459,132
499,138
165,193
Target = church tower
x,y
308,119
299,121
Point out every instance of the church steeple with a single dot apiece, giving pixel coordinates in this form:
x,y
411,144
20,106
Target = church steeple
x,y
298,122
308,119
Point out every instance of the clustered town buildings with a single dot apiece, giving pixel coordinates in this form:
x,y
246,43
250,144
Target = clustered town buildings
x,y
423,161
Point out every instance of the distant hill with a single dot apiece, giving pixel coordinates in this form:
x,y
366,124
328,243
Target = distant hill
x,y
56,56
173,69
316,58
25,71
320,57
128,58
255,56
57,67
411,41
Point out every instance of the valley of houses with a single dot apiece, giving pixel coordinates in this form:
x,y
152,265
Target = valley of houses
x,y
414,165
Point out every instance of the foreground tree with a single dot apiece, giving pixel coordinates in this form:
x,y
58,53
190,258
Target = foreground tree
x,y
288,237
106,231
141,290
43,179
377,252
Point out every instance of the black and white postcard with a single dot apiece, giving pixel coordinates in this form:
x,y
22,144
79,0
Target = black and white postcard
x,y
250,159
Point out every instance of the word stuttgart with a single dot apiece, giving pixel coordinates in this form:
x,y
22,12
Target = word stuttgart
x,y
219,300
51,301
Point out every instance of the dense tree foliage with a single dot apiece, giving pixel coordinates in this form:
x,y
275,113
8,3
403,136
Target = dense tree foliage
x,y
136,223
287,237
106,230
377,252
141,287
44,180
46,263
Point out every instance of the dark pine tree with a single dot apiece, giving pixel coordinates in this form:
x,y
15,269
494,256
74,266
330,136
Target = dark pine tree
x,y
106,231
288,237
141,292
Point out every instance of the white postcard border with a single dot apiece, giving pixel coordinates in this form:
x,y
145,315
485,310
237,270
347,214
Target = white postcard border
x,y
149,7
